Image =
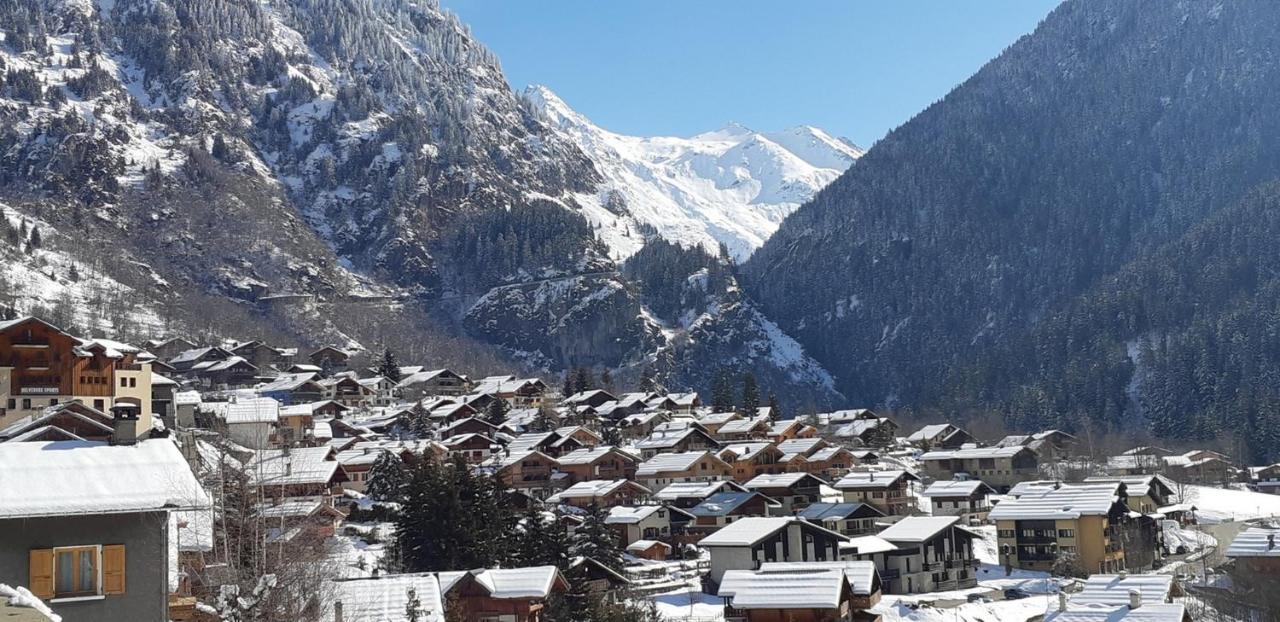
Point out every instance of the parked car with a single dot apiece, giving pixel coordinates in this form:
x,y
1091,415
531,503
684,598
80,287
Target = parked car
x,y
1015,593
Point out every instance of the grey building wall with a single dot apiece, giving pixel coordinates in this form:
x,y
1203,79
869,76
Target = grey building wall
x,y
145,536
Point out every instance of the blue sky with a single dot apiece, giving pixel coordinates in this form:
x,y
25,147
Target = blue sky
x,y
857,68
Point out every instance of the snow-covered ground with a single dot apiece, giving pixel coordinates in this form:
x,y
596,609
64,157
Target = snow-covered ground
x,y
733,185
689,603
1217,505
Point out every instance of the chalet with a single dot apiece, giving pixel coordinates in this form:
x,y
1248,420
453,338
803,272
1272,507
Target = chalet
x,y
747,543
833,463
802,592
329,359
752,459
849,519
712,422
472,448
526,392
1133,611
514,594
43,366
932,554
642,425
688,494
693,466
871,432
108,511
593,577
448,411
166,349
970,500
1090,522
185,404
676,440
794,491
603,493
530,471
1254,569
251,422
1145,493
426,383
300,520
346,389
685,403
187,360
940,436
260,354
297,424
1141,460
888,491
594,398
1267,479
998,467
301,472
1049,445
602,462
651,550
800,448
386,598
723,508
1200,466
791,429
550,443
647,522
227,373
358,459
470,425
70,421
582,436
744,430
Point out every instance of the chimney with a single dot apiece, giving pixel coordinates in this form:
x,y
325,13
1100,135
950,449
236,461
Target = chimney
x,y
1135,599
337,611
1124,574
1062,601
124,423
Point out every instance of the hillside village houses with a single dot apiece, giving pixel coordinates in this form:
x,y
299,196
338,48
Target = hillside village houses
x,y
838,500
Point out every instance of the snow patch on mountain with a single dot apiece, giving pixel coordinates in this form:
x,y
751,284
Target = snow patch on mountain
x,y
731,186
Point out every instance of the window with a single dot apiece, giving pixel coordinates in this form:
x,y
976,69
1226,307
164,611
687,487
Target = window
x,y
75,571
26,403
53,401
133,383
124,382
12,403
1066,533
98,404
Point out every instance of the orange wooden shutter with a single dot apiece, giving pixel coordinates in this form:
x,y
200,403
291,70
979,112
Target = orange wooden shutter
x,y
113,569
41,574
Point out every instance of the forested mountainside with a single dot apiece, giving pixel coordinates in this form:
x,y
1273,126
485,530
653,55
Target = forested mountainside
x,y
326,171
731,186
1020,244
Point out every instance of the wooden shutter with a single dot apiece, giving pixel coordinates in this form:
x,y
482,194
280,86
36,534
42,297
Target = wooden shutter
x,y
113,569
41,574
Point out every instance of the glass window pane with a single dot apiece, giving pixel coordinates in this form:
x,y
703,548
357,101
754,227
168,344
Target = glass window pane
x,y
66,569
86,571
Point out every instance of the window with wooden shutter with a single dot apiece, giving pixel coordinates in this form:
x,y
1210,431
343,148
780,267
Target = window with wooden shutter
x,y
40,581
113,569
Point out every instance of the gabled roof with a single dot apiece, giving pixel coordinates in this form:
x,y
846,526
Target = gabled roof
x,y
92,417
870,480
957,489
799,446
695,490
917,528
725,503
1067,502
252,410
745,451
860,575
385,598
667,463
1154,612
1111,589
60,478
303,465
928,432
975,453
834,512
508,583
1256,542
782,480
587,455
744,426
810,589
594,488
753,529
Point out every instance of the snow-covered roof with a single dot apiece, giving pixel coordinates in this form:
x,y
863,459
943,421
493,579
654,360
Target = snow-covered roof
x,y
303,465
1067,502
592,489
859,574
252,410
809,589
287,382
587,455
1022,488
743,426
866,545
791,447
506,583
780,480
1155,612
666,463
644,545
928,432
718,418
630,514
956,489
158,380
290,508
868,480
694,490
186,398
917,528
745,451
79,477
753,529
1112,589
1256,542
975,453
724,503
386,598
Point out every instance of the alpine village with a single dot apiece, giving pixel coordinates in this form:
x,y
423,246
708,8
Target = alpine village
x,y
306,315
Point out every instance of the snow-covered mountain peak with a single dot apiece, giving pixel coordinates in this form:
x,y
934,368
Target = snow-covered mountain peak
x,y
732,185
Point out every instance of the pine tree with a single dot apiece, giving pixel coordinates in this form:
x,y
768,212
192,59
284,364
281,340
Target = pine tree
x,y
612,435
750,394
721,392
453,517
648,382
775,411
389,368
386,477
541,541
606,379
595,540
582,380
35,239
496,413
567,389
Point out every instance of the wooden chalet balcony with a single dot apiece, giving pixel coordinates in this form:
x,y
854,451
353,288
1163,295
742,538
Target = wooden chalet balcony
x,y
29,342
